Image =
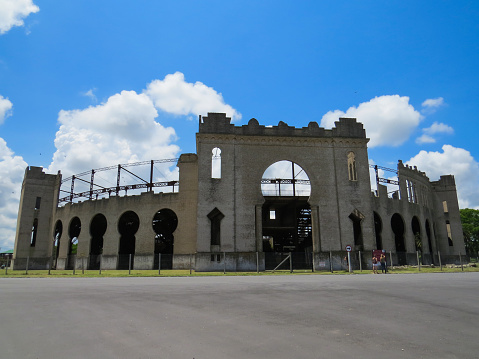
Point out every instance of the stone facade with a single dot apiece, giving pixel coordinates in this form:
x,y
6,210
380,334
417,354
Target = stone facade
x,y
221,211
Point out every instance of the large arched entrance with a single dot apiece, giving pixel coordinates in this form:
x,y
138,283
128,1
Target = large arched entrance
x,y
98,227
164,224
73,232
127,226
286,220
397,225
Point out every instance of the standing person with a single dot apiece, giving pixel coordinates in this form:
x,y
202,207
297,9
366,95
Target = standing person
x,y
375,265
383,263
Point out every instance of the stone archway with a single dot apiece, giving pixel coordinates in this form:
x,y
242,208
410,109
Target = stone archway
x,y
128,225
164,224
74,230
98,226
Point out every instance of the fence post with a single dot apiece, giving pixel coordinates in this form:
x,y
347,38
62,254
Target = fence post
x,y
26,268
257,262
101,260
331,261
82,265
224,262
460,260
440,263
418,264
191,262
129,265
391,259
349,262
360,262
290,262
49,265
159,263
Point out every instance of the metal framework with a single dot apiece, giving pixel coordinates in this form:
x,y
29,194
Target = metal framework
x,y
384,180
101,190
95,193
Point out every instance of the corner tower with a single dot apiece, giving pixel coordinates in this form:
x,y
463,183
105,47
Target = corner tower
x,y
34,238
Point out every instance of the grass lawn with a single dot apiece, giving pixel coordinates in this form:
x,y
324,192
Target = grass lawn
x,y
186,273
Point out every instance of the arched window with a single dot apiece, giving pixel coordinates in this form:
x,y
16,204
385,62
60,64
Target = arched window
x,y
216,163
352,167
215,217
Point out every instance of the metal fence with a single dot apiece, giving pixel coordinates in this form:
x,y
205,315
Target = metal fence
x,y
234,262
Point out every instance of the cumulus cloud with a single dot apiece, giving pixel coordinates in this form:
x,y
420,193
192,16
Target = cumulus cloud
x,y
12,13
12,169
433,102
176,96
439,128
5,108
434,129
425,139
121,130
458,162
388,120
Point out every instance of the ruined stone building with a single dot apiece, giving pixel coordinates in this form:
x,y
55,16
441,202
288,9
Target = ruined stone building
x,y
231,211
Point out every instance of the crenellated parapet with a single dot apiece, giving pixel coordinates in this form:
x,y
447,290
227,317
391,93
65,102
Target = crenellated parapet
x,y
216,123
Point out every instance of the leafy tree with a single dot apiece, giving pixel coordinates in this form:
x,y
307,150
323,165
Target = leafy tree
x,y
470,228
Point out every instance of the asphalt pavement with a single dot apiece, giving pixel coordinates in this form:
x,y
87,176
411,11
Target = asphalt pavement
x,y
301,316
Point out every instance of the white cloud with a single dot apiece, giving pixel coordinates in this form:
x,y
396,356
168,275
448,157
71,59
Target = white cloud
x,y
388,120
425,139
124,129
90,94
434,129
176,96
12,169
121,130
432,105
5,108
433,102
458,162
438,128
12,13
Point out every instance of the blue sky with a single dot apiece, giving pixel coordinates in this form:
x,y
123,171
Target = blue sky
x,y
86,84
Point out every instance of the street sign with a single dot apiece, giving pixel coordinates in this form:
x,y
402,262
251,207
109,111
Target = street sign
x,y
349,248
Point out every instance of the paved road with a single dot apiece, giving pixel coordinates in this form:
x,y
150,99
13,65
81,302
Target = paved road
x,y
360,316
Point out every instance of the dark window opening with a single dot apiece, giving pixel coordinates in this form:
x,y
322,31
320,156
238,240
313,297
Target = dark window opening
x,y
357,232
37,202
416,230
449,234
429,241
378,226
57,234
215,217
397,225
33,237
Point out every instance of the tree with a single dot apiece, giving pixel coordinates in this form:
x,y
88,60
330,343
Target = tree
x,y
470,228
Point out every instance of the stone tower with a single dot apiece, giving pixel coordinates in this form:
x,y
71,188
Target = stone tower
x,y
34,238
